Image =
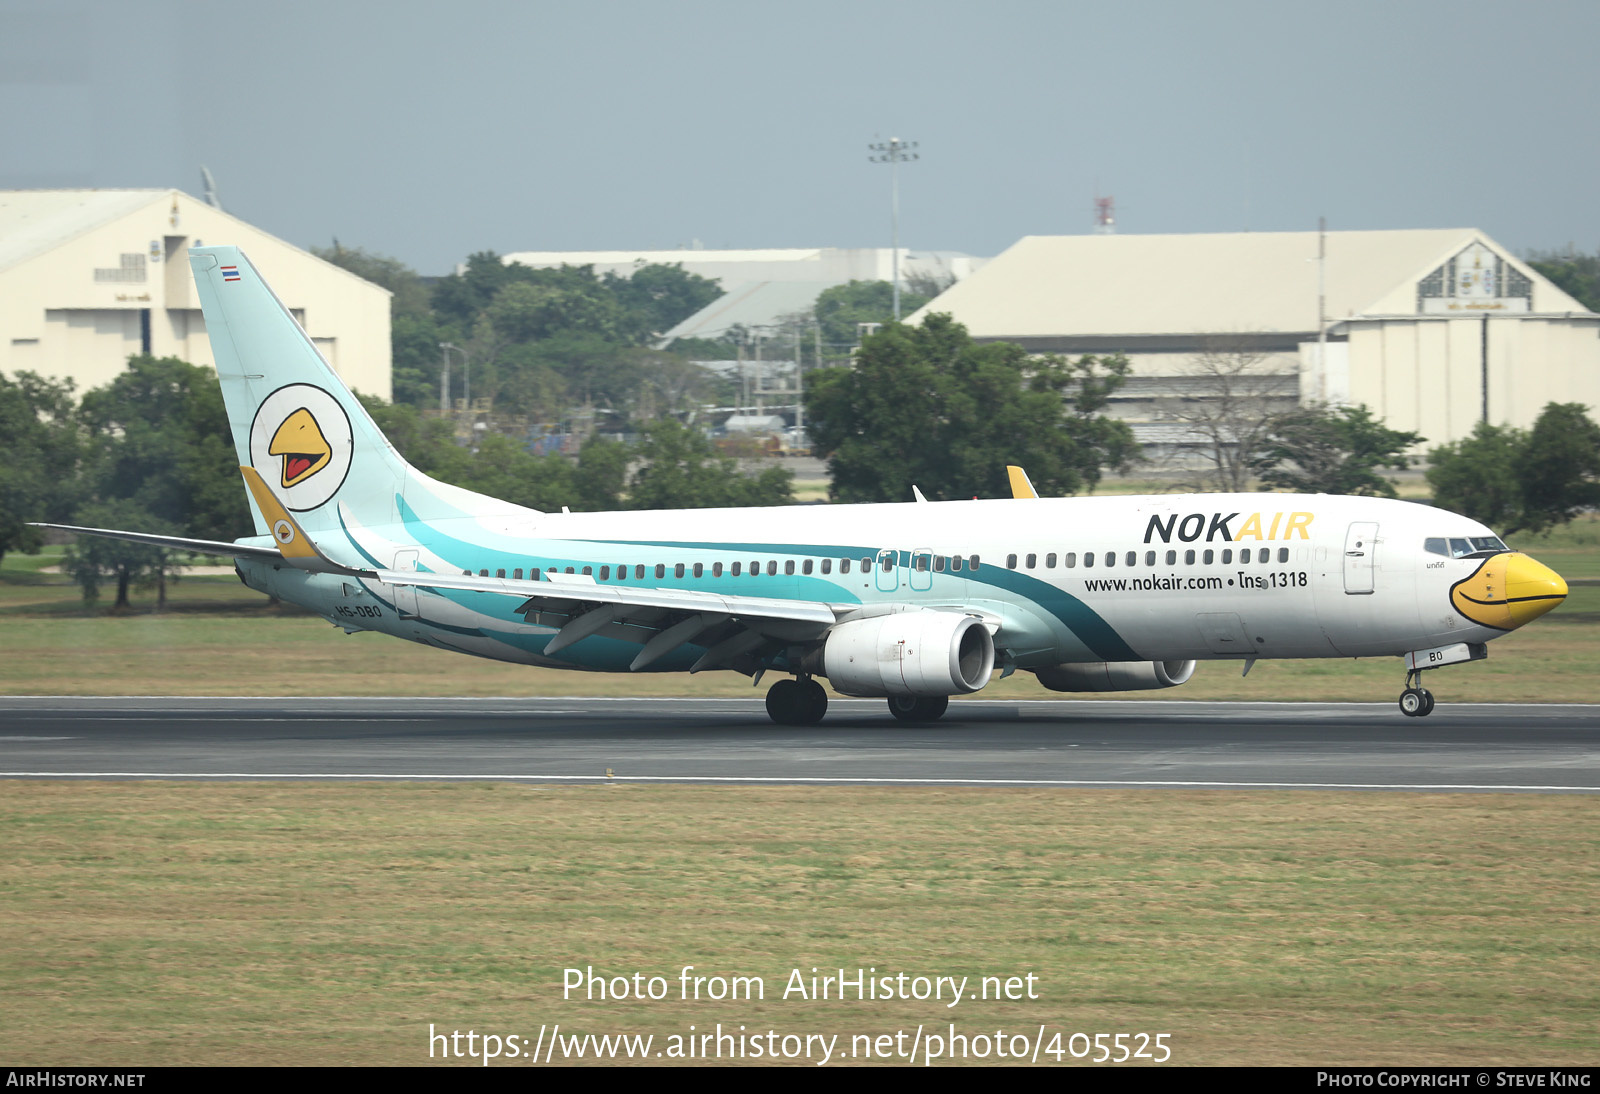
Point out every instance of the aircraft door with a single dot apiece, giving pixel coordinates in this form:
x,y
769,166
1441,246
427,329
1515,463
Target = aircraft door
x,y
887,570
1360,553
921,575
405,596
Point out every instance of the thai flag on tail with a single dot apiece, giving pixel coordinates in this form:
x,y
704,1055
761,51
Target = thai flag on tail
x,y
230,273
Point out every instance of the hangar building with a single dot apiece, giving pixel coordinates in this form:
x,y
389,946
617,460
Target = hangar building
x,y
1434,330
762,287
89,278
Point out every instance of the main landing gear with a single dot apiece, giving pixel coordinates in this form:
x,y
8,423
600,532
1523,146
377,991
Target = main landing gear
x,y
1415,701
910,708
800,702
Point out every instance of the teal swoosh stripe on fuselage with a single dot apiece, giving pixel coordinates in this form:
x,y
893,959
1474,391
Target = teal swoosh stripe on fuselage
x,y
1082,620
1076,616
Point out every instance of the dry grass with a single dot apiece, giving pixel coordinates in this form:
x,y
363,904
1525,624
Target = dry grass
x,y
150,923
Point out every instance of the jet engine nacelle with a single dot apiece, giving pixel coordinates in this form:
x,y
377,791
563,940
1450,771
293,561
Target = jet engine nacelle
x,y
923,653
1115,675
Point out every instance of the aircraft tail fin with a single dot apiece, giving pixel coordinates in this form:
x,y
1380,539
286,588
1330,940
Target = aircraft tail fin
x,y
297,424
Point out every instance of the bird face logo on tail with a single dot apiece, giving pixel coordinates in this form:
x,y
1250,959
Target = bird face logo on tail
x,y
302,443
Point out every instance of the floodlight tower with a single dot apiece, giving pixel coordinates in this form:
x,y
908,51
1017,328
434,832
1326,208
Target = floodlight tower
x,y
1105,216
894,152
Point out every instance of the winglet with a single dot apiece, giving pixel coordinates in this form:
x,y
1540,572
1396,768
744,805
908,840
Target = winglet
x,y
293,544
1021,485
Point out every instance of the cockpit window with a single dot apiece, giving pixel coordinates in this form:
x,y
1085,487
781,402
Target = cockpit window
x,y
1464,546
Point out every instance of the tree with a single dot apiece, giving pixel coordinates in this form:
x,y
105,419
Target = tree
x,y
1577,275
681,470
659,296
1332,450
1229,405
38,457
158,435
1558,467
93,559
840,308
928,406
1476,476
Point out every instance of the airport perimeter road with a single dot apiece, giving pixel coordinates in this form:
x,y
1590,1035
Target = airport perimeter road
x,y
1467,747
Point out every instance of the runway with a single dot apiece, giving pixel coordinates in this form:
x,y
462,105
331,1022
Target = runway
x,y
1461,747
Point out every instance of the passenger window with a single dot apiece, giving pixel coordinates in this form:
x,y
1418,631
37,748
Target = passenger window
x,y
677,571
736,569
1132,558
588,571
661,569
1050,561
466,573
938,564
1070,560
1088,560
516,575
755,567
920,564
485,573
1264,555
1283,554
866,564
605,573
699,570
638,572
972,562
1033,560
1188,558
772,568
1172,558
716,569
1111,558
805,567
1011,562
827,565
788,566
1244,554
1149,558
1208,557
1227,556
844,565
955,563
889,561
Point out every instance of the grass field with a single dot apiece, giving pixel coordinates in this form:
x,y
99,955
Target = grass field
x,y
151,924
219,638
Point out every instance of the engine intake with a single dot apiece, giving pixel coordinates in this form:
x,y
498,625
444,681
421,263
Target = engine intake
x,y
922,653
1115,675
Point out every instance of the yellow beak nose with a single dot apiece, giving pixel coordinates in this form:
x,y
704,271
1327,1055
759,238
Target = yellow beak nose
x,y
1508,590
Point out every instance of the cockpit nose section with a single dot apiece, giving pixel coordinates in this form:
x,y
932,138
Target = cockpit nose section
x,y
1508,590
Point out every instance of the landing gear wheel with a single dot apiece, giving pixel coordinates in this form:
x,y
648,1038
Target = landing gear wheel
x,y
813,703
1427,703
909,708
1414,702
796,702
784,700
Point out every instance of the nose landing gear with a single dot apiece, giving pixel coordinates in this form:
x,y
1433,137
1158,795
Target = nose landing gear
x,y
800,702
1415,701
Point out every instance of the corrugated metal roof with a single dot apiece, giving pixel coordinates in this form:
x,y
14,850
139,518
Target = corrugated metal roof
x,y
34,221
1054,286
753,304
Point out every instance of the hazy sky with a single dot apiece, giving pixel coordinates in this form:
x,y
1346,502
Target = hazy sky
x,y
428,131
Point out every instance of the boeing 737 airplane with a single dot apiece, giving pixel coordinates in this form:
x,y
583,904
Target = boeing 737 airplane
x,y
911,602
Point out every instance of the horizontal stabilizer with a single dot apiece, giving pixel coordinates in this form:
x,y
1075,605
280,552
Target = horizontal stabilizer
x,y
172,543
